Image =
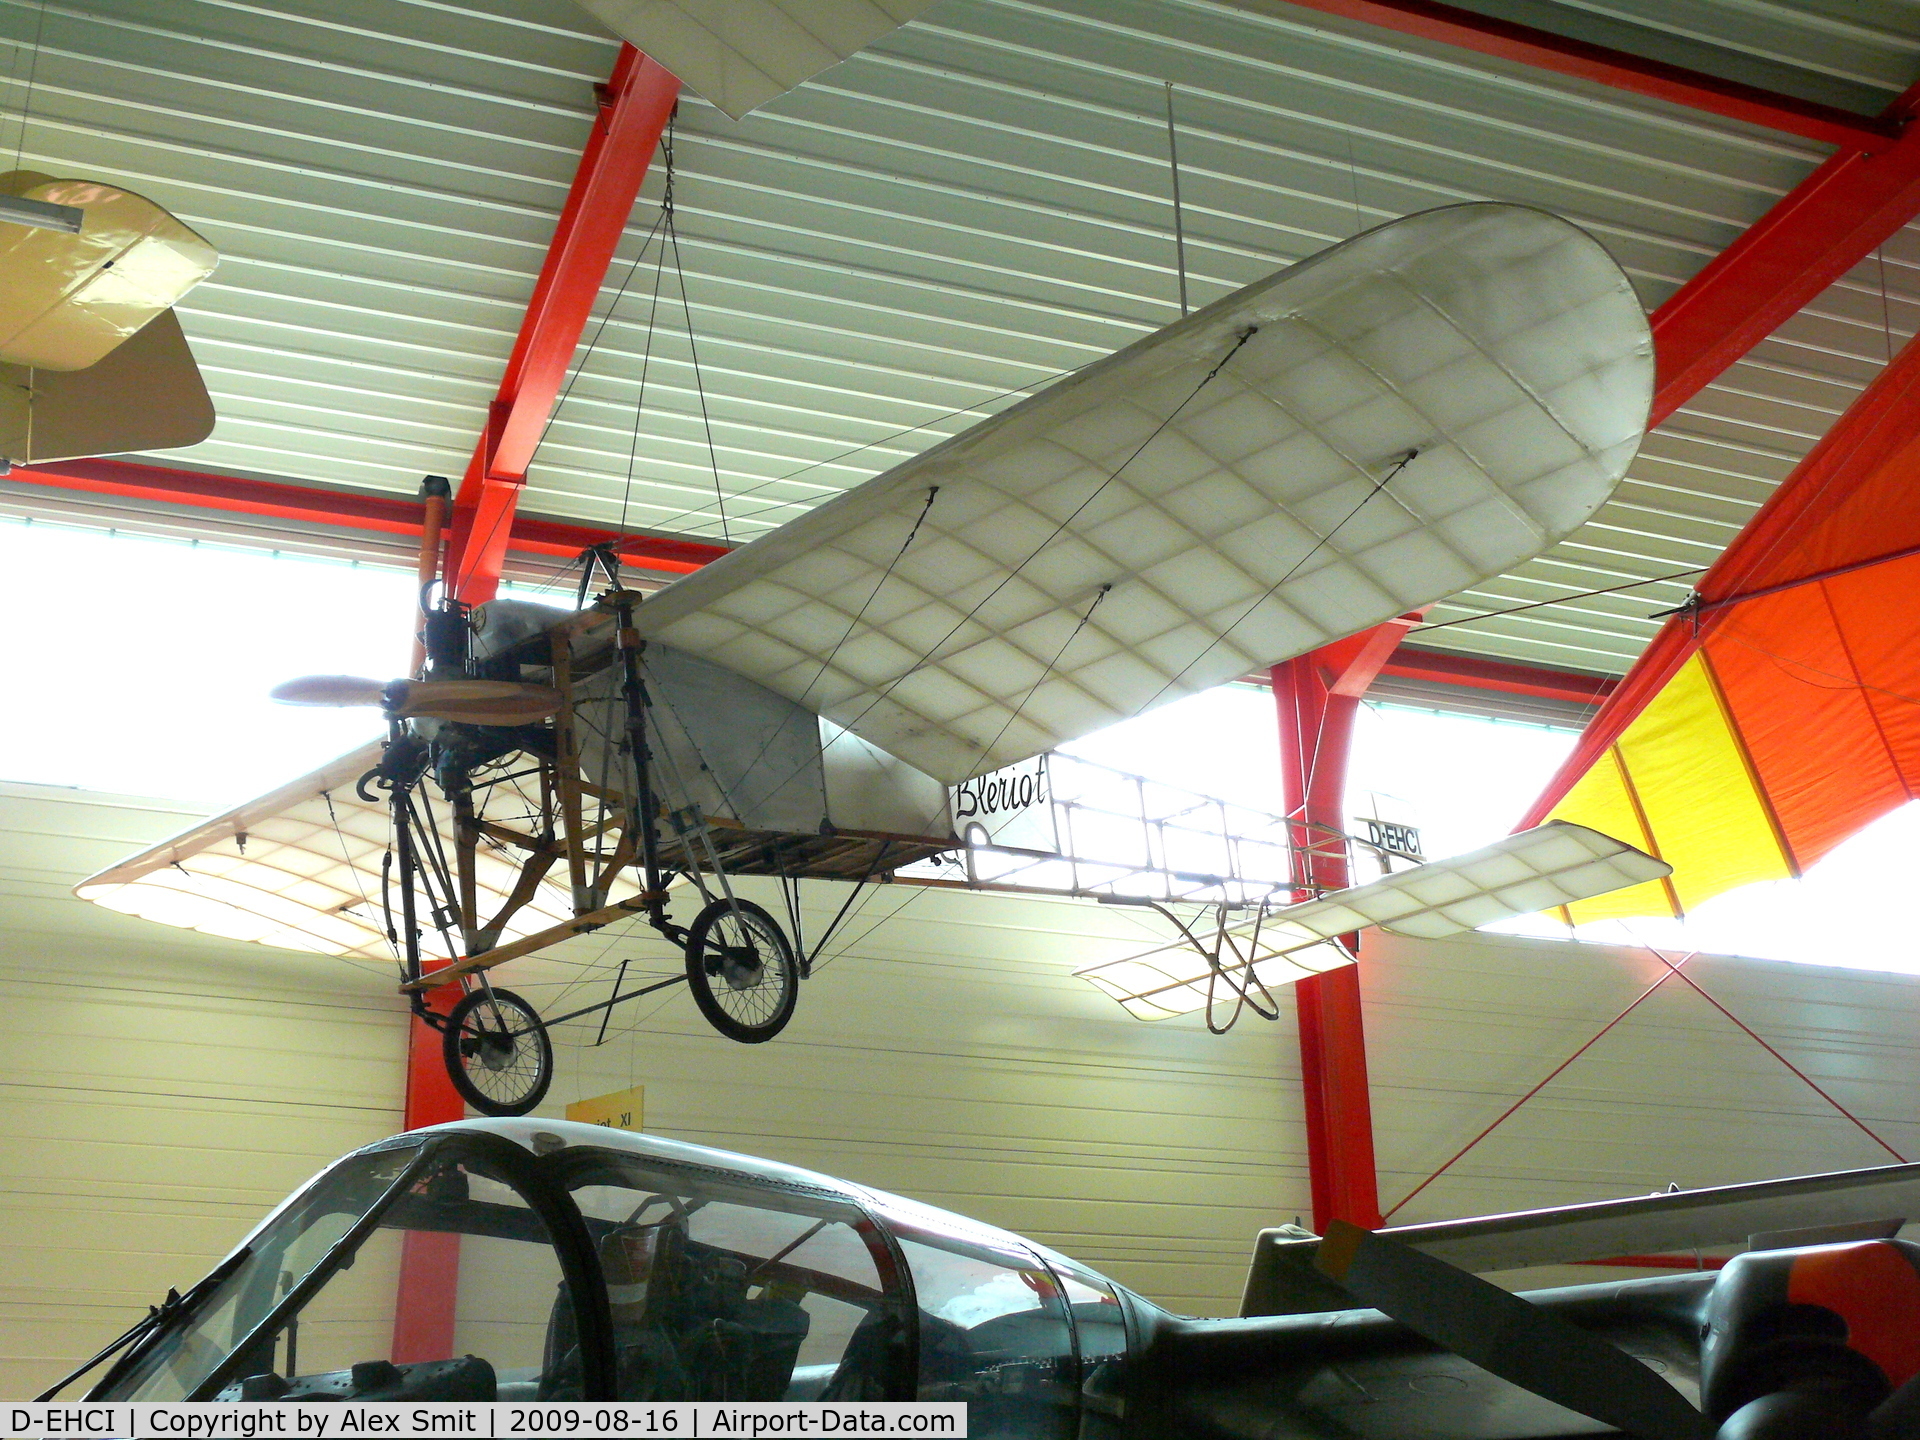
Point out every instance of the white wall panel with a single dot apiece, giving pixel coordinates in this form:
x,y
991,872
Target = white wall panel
x,y
1676,1094
163,1089
159,1091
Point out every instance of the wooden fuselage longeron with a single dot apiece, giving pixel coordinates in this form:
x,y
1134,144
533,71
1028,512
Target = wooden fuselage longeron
x,y
742,781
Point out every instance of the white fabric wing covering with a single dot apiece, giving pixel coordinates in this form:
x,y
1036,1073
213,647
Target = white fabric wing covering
x,y
1138,532
1173,979
739,54
309,875
1550,865
1538,869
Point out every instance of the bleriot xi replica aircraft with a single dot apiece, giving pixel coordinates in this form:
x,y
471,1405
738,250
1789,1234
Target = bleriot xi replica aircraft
x,y
572,1262
1376,428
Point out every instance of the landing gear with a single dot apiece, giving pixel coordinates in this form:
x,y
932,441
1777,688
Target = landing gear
x,y
497,1052
588,804
741,970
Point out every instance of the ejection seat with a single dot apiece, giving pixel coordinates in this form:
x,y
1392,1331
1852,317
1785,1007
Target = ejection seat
x,y
683,1325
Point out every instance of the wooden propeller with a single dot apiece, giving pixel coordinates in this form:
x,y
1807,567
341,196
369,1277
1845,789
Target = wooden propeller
x,y
470,702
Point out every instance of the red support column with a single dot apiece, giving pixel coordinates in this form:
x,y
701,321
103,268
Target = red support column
x,y
1317,696
635,107
428,1292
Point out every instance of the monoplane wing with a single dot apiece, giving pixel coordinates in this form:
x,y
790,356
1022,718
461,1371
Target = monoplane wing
x,y
1550,865
304,867
1229,492
739,54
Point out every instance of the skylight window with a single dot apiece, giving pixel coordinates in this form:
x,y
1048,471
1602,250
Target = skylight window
x,y
142,668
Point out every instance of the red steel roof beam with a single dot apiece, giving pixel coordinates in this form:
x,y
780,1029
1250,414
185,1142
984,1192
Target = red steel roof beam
x,y
636,104
1825,226
229,494
670,553
1473,672
352,510
1821,229
1621,69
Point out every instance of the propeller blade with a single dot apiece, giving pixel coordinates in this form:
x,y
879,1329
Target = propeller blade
x,y
1503,1334
474,702
330,690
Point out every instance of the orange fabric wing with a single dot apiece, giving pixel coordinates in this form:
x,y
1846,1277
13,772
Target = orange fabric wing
x,y
1782,713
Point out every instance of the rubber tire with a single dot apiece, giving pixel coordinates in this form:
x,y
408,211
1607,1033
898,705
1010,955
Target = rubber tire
x,y
701,983
455,1062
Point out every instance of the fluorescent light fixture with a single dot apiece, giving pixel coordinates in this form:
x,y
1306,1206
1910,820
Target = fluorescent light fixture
x,y
1538,869
40,214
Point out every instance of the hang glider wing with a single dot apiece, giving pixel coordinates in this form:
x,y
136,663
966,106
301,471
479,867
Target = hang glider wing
x,y
739,54
302,868
1220,496
1781,714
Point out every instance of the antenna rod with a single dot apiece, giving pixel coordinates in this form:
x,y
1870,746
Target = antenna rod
x,y
1179,225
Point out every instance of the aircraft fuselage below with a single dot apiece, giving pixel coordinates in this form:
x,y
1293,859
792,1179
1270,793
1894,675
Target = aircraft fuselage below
x,y
538,1260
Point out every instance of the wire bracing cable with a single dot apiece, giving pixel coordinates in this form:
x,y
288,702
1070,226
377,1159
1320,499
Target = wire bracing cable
x,y
933,655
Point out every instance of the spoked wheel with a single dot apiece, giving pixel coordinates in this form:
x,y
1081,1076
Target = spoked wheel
x,y
497,1052
741,970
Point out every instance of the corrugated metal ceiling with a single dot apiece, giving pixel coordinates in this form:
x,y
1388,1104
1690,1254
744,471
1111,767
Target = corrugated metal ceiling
x,y
977,204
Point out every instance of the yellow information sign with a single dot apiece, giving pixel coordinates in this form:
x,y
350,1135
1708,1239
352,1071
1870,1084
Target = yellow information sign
x,y
622,1110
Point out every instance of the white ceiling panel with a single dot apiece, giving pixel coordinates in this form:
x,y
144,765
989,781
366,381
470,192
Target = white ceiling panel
x,y
972,207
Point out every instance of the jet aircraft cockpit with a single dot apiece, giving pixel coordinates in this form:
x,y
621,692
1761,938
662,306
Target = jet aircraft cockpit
x,y
535,1260
540,1260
